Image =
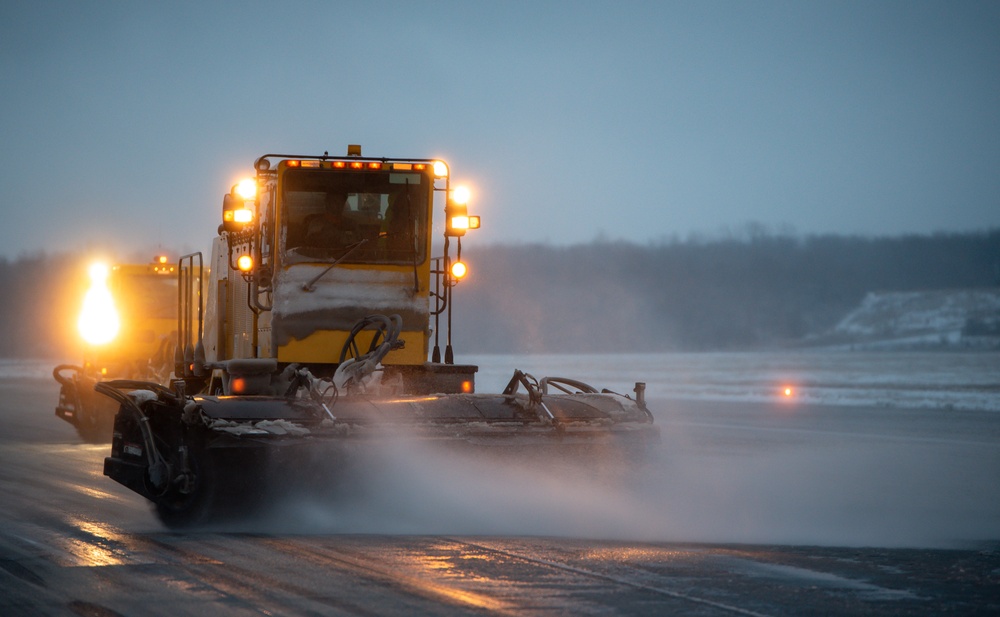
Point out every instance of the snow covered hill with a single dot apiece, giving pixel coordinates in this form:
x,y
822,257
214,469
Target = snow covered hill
x,y
967,318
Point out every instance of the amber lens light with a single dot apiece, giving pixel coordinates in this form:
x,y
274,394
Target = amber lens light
x,y
440,169
243,215
459,269
244,263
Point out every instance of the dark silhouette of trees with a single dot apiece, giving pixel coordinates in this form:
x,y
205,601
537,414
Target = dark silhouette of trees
x,y
731,293
744,291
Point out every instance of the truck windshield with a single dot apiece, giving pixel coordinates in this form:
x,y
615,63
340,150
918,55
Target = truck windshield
x,y
326,214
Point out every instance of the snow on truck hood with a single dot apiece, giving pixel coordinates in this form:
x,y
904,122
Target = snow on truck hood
x,y
379,291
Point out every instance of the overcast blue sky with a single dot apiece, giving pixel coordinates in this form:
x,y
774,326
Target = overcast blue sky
x,y
123,123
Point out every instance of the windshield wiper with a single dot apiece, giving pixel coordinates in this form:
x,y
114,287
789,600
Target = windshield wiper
x,y
311,285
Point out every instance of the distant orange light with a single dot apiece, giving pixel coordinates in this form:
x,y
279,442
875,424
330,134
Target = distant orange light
x,y
466,386
339,164
162,259
374,165
238,385
357,165
293,163
244,263
788,392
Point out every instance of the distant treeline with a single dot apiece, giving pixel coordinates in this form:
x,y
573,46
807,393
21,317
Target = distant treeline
x,y
42,295
757,290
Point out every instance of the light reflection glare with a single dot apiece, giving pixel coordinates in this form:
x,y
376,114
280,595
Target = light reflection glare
x,y
442,566
96,553
631,553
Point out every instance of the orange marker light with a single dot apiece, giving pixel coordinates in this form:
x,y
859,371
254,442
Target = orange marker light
x,y
243,215
788,392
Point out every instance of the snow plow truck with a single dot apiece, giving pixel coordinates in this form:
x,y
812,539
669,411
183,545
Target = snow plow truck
x,y
127,326
327,327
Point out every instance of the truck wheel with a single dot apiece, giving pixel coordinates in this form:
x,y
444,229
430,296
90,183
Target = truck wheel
x,y
192,506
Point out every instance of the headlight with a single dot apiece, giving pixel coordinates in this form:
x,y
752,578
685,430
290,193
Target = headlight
x,y
247,189
98,323
244,263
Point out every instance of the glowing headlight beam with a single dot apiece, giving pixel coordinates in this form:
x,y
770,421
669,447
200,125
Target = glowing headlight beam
x,y
461,195
247,189
98,323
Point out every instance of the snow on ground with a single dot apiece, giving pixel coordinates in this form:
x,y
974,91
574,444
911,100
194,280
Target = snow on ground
x,y
944,380
918,379
914,319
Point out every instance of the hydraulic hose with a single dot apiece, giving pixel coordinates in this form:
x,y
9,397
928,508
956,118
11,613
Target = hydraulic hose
x,y
157,464
386,339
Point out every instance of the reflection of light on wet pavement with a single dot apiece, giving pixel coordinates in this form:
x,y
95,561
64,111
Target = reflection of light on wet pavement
x,y
419,570
87,554
631,553
98,544
438,562
92,492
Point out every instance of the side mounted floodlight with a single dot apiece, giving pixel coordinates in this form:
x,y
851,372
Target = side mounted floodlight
x,y
457,213
237,210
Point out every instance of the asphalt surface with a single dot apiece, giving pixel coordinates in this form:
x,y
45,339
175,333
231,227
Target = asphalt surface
x,y
72,542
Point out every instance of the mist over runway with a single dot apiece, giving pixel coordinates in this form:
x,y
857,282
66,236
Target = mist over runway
x,y
749,508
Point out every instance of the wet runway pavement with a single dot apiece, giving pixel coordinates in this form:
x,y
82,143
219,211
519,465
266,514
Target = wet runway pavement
x,y
73,542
